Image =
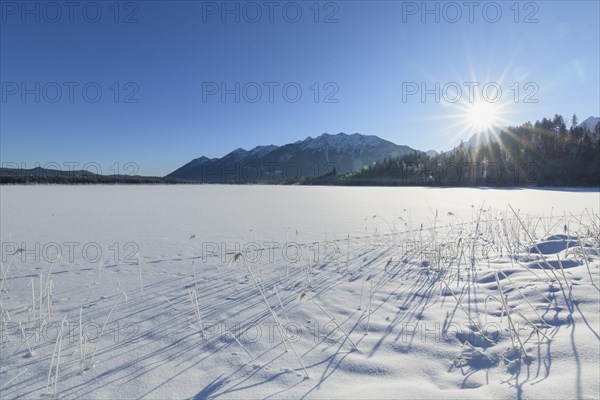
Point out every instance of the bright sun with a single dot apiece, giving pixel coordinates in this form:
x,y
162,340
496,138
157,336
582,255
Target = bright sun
x,y
482,115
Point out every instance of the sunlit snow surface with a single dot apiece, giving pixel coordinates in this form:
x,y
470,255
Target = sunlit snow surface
x,y
378,292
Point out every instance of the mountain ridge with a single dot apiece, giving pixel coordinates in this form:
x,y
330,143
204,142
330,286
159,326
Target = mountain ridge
x,y
590,123
303,158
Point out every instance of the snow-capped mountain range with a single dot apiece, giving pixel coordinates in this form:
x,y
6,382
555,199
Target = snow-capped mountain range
x,y
304,158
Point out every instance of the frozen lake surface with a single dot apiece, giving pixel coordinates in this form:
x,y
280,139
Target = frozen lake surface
x,y
158,217
211,291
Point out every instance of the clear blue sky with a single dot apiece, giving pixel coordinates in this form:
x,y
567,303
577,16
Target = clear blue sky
x,y
369,54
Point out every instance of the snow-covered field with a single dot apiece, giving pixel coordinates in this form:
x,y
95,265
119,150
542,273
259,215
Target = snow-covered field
x,y
299,292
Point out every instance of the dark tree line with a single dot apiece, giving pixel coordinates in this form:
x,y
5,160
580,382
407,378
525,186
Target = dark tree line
x,y
14,177
546,153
